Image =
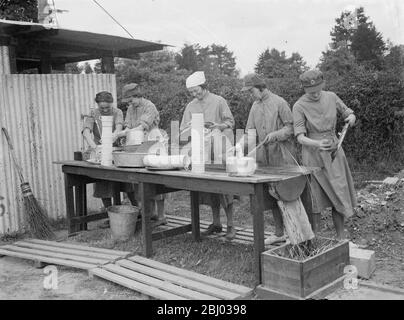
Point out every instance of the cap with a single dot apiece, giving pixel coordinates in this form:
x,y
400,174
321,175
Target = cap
x,y
312,80
104,96
195,79
130,90
251,80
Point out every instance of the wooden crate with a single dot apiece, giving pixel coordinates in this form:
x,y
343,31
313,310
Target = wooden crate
x,y
165,282
65,254
300,279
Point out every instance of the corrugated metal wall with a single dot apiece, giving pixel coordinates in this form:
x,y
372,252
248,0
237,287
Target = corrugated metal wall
x,y
42,115
4,60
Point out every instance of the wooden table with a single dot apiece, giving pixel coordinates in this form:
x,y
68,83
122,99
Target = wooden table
x,y
79,173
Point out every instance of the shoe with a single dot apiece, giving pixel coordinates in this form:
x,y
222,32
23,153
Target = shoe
x,y
275,239
231,233
212,229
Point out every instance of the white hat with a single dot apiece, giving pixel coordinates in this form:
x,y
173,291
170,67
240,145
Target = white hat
x,y
195,79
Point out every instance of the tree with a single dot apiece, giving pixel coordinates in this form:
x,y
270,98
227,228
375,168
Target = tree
x,y
357,32
275,64
211,59
394,60
340,61
188,57
20,10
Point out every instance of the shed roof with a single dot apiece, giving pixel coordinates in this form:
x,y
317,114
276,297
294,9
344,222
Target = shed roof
x,y
64,45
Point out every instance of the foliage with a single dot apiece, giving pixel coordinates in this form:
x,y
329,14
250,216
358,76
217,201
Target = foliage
x,y
275,64
357,32
340,61
375,97
19,10
211,59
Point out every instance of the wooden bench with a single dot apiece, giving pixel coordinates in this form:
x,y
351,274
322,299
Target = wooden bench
x,y
65,254
165,282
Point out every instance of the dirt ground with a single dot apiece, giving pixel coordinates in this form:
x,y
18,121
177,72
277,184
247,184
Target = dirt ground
x,y
377,225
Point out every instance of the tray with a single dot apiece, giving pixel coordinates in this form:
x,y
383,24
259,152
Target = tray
x,y
92,161
162,168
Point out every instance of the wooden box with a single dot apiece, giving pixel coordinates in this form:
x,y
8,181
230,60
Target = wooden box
x,y
300,279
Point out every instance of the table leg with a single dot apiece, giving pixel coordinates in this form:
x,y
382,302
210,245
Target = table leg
x,y
147,192
81,204
117,198
257,211
69,198
196,232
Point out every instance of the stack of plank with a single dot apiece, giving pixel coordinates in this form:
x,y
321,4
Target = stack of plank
x,y
161,281
64,254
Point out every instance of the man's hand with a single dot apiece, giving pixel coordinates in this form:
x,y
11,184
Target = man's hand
x,y
351,120
270,138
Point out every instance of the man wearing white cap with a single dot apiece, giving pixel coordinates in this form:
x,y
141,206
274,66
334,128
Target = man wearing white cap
x,y
217,117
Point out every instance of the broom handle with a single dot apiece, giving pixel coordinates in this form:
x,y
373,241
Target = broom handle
x,y
11,148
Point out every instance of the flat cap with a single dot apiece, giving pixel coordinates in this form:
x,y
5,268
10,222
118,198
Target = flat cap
x,y
251,80
312,80
130,90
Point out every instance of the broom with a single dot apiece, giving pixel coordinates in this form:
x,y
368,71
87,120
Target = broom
x,y
38,223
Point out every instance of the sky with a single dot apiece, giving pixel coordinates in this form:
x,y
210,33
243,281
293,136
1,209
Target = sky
x,y
246,27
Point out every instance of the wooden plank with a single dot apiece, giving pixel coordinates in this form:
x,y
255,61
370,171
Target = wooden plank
x,y
65,250
341,249
54,254
179,280
135,285
196,232
257,211
324,274
284,173
265,293
380,287
164,285
242,290
295,220
204,224
50,260
89,218
171,232
80,247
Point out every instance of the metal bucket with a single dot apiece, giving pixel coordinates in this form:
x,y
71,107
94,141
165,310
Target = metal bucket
x,y
122,220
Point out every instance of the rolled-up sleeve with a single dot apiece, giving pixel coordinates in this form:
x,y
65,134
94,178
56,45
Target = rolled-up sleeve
x,y
150,117
118,117
299,120
128,118
89,122
226,115
342,109
286,116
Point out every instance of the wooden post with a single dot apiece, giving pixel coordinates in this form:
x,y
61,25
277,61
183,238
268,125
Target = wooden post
x,y
69,197
81,204
257,211
147,192
107,64
13,60
196,232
